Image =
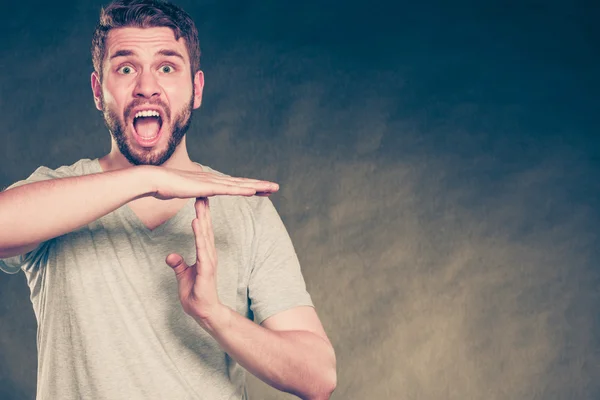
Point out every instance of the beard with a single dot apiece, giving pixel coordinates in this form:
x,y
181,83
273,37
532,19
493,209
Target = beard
x,y
180,125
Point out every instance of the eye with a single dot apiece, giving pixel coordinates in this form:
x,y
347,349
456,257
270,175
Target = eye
x,y
167,69
125,70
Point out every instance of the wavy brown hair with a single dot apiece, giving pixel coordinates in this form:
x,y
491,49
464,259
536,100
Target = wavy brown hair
x,y
145,14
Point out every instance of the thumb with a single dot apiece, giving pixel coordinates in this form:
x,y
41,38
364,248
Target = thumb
x,y
176,262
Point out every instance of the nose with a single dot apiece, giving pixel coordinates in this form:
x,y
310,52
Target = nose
x,y
147,85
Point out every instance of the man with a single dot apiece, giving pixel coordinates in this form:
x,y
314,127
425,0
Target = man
x,y
93,237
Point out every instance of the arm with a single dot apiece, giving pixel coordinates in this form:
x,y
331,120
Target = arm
x,y
39,211
290,351
33,213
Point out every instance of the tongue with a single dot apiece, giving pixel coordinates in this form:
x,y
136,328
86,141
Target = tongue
x,y
147,127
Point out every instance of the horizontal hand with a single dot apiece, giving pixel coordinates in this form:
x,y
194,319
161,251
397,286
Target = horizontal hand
x,y
171,183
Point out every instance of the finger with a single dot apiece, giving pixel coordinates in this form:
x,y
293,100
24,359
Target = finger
x,y
203,213
207,177
202,252
227,190
259,185
199,206
237,179
198,240
210,231
176,262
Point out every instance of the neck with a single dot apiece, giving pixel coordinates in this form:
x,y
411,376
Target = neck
x,y
180,159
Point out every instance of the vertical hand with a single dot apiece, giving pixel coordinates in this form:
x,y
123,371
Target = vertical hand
x,y
197,283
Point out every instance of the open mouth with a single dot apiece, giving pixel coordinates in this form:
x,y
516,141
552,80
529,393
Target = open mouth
x,y
146,125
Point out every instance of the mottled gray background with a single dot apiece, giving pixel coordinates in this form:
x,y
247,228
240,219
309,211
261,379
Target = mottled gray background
x,y
439,165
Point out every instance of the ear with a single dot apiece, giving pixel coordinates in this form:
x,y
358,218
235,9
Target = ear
x,y
198,88
97,90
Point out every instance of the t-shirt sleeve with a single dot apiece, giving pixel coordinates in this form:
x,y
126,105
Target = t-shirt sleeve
x,y
276,282
12,265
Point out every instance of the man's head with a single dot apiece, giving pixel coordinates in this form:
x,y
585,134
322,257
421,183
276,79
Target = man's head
x,y
146,77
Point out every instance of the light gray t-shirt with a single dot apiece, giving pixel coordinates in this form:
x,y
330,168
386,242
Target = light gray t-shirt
x,y
110,325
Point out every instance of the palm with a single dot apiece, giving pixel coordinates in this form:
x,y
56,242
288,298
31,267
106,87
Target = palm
x,y
197,283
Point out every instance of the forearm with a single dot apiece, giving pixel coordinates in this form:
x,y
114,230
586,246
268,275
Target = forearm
x,y
297,362
43,210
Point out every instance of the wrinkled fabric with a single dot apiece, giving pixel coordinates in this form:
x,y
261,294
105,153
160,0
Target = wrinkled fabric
x,y
110,325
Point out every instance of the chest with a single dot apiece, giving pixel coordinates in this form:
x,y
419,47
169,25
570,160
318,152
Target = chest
x,y
153,212
111,263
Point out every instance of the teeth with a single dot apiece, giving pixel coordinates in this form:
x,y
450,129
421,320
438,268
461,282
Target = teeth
x,y
148,113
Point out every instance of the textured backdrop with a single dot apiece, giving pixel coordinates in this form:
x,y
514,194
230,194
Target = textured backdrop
x,y
439,166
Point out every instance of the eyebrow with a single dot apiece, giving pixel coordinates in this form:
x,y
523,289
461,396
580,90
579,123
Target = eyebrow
x,y
163,52
170,53
122,53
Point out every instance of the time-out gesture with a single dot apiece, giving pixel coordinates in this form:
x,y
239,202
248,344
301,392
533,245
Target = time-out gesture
x,y
197,283
171,183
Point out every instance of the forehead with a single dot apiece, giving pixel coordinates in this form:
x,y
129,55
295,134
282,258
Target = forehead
x,y
144,41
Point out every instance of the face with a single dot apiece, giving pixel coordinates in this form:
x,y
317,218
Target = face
x,y
147,93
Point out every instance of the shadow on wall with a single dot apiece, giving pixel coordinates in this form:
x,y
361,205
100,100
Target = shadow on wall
x,y
439,276
427,299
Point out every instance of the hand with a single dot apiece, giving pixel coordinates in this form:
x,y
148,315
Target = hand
x,y
198,283
171,183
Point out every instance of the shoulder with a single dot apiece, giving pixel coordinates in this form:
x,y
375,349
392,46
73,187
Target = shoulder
x,y
253,206
81,167
254,215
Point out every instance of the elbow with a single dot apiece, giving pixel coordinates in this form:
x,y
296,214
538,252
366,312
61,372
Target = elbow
x,y
324,394
320,389
319,380
332,385
328,390
327,385
330,379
